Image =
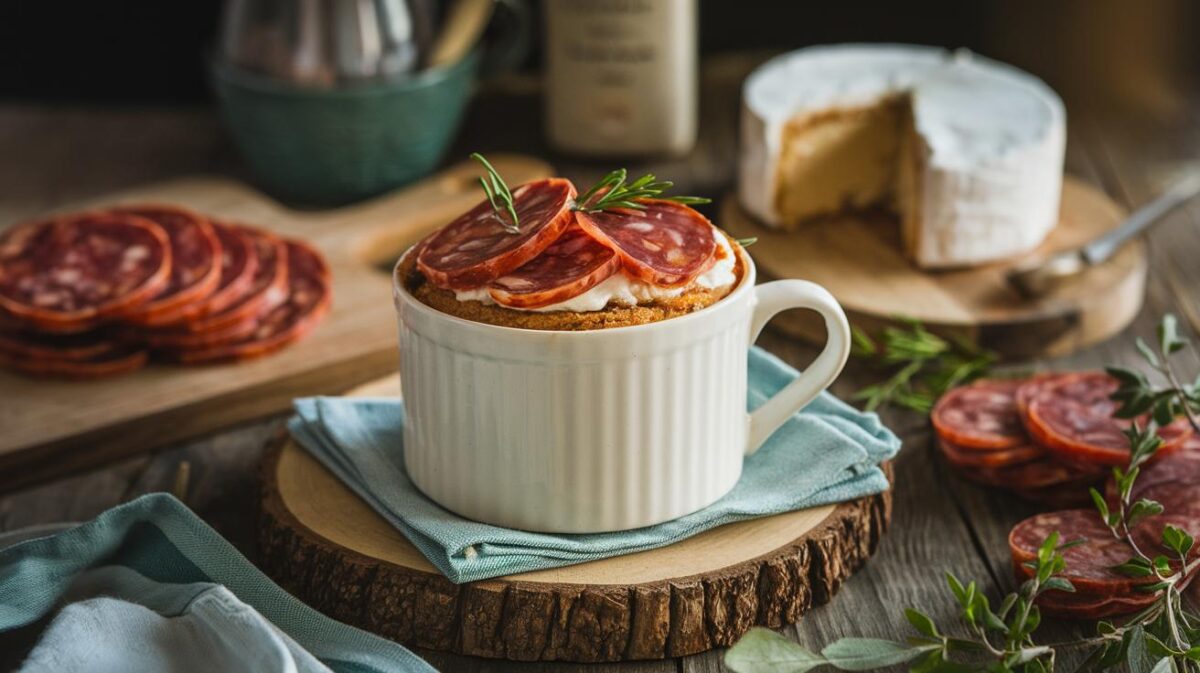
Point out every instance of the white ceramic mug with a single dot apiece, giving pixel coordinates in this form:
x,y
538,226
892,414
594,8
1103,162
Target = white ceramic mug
x,y
602,430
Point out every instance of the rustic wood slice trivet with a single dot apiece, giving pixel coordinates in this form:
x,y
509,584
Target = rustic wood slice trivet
x,y
858,259
328,547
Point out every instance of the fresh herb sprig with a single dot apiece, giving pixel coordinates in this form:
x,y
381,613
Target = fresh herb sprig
x,y
1138,396
920,365
499,195
999,640
1162,638
612,191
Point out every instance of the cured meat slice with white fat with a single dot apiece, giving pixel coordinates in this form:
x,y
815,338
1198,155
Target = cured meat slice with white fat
x,y
476,248
574,264
69,274
667,244
195,262
982,415
307,302
1072,416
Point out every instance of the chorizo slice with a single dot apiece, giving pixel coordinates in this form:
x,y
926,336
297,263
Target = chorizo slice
x,y
476,248
666,244
572,265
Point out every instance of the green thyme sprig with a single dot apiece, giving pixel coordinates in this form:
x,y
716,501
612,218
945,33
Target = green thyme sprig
x,y
612,191
1000,639
920,365
499,195
1137,396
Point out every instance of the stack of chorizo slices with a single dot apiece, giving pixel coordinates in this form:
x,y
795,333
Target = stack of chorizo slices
x,y
1047,438
1101,592
556,253
100,293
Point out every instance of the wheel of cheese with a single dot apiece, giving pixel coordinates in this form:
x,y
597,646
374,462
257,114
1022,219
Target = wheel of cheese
x,y
982,415
665,244
195,263
69,274
476,248
572,265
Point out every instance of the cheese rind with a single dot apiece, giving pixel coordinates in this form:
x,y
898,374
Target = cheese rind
x,y
984,146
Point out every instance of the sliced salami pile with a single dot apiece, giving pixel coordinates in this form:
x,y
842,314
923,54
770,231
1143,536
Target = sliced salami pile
x,y
556,253
1046,438
101,293
1100,591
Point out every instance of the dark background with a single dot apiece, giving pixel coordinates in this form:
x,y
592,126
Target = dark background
x,y
145,51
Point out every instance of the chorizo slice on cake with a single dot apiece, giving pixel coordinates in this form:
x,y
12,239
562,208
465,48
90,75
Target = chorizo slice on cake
x,y
666,243
480,245
572,265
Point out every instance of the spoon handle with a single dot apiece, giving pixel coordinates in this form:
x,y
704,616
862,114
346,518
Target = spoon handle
x,y
1102,248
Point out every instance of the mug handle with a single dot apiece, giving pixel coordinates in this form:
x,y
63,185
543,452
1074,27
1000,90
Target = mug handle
x,y
778,296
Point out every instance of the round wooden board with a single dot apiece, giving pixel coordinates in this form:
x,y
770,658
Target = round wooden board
x,y
326,546
858,259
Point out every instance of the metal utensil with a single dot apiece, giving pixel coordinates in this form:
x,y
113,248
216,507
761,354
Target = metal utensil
x,y
1037,277
327,43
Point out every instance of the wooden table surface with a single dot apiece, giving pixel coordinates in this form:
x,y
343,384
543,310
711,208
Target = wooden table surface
x,y
55,155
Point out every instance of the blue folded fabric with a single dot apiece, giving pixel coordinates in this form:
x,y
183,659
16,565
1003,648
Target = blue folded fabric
x,y
149,586
825,454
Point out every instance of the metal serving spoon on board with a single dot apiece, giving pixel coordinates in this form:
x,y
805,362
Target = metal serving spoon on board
x,y
1038,276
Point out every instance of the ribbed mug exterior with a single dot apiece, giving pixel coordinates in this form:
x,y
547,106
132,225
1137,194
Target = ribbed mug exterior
x,y
578,432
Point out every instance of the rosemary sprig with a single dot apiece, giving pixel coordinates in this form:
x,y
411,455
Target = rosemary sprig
x,y
613,192
1162,638
920,365
498,195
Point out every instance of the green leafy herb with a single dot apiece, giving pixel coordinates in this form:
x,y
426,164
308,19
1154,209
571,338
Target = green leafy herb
x,y
1138,396
746,242
499,196
612,191
999,640
1162,638
919,364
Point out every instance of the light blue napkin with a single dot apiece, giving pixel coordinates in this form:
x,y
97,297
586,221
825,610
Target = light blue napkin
x,y
146,583
827,453
117,620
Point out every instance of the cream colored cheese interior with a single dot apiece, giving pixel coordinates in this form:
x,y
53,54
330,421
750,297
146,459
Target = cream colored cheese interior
x,y
967,152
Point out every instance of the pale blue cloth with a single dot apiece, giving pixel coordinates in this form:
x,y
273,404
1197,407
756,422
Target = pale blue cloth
x,y
827,453
116,620
148,586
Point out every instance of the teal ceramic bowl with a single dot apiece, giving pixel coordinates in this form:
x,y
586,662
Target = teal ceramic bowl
x,y
330,147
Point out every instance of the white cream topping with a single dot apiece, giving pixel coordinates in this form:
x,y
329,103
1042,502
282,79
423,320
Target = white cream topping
x,y
624,290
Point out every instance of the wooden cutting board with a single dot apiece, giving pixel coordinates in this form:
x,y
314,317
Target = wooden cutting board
x,y
326,546
53,427
858,259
